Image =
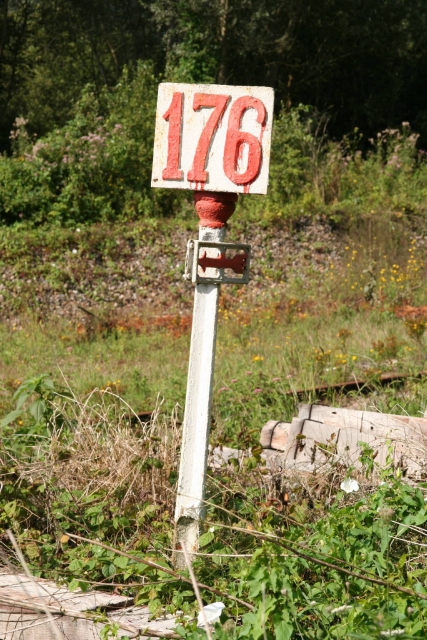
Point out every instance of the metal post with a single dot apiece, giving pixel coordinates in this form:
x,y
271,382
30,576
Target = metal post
x,y
213,210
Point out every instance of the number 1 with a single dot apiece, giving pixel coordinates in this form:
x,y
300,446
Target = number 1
x,y
174,116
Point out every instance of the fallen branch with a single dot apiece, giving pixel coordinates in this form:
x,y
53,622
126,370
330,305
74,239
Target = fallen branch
x,y
197,592
159,567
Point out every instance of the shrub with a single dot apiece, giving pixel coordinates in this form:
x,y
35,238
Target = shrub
x,y
96,167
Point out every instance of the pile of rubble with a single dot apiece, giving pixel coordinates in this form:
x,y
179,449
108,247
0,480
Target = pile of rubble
x,y
320,436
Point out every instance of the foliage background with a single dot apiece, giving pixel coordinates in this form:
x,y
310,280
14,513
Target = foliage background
x,y
361,62
78,88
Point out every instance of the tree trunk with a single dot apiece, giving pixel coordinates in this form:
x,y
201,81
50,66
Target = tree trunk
x,y
222,71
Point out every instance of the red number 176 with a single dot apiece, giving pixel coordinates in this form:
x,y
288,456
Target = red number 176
x,y
235,138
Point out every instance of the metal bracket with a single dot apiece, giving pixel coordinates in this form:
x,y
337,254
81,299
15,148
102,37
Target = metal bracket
x,y
217,262
189,257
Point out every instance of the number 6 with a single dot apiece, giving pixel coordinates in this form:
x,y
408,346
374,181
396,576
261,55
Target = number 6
x,y
236,138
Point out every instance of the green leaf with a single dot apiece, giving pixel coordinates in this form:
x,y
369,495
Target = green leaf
x,y
402,560
108,570
32,550
73,585
273,578
409,500
13,415
75,565
206,538
38,409
283,630
121,562
420,517
21,399
10,508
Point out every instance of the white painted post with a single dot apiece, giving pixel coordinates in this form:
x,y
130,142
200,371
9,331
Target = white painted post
x,y
190,506
213,209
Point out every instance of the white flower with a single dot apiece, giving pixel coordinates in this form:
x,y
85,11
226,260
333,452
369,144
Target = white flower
x,y
344,607
349,485
212,612
78,230
74,250
211,529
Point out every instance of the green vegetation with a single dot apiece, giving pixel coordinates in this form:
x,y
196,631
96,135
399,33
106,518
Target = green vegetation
x,y
96,318
77,460
363,64
95,167
98,166
312,561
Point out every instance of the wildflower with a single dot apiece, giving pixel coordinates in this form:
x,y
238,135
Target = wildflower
x,y
257,358
222,389
74,251
257,390
212,614
349,485
344,607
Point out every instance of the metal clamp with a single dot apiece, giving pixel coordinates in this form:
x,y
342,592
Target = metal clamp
x,y
189,257
212,262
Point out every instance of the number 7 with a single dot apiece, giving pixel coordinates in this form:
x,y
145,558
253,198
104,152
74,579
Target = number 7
x,y
203,101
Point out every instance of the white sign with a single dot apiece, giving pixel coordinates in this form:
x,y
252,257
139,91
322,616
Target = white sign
x,y
213,137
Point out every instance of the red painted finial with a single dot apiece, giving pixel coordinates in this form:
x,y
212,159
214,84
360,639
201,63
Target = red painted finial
x,y
214,209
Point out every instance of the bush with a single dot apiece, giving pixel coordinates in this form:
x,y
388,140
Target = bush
x,y
310,174
97,167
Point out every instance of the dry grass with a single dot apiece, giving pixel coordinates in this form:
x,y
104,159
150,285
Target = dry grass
x,y
100,446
